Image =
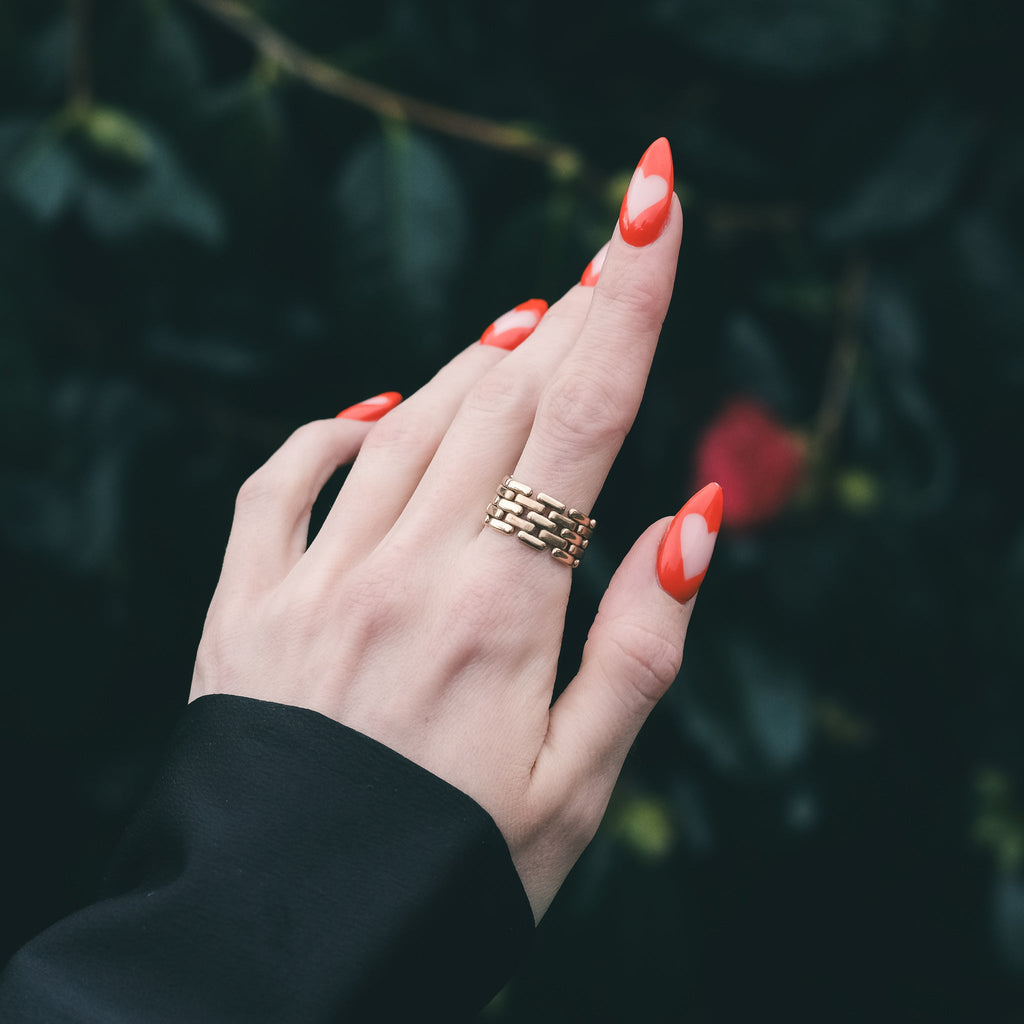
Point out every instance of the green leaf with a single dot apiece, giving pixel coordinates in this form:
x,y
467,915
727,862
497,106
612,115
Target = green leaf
x,y
754,362
644,824
175,52
402,221
115,134
1008,921
775,704
163,195
48,176
914,179
44,175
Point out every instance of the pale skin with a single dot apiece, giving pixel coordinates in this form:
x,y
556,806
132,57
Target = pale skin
x,y
392,623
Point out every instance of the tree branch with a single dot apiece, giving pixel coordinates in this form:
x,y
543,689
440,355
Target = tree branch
x,y
386,103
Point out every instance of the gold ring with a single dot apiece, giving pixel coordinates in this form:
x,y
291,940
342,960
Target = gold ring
x,y
542,522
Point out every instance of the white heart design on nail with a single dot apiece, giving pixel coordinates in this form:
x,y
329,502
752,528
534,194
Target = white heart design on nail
x,y
515,318
379,400
696,544
644,192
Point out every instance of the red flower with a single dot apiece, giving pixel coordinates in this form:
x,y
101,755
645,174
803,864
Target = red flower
x,y
757,461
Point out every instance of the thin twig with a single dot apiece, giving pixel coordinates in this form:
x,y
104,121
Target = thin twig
x,y
79,57
843,364
385,102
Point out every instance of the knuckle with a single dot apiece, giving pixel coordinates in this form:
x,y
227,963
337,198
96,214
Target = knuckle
x,y
502,394
570,310
376,611
584,409
281,474
638,304
395,431
644,661
476,614
255,492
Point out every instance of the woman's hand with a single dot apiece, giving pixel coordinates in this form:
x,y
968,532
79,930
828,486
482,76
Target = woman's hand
x,y
409,620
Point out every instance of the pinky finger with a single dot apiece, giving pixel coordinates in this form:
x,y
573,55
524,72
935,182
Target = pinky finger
x,y
272,511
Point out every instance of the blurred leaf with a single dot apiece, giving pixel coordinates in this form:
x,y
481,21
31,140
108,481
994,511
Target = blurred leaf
x,y
644,825
892,410
776,705
892,326
1008,920
176,54
72,510
989,260
46,60
857,490
999,822
44,175
754,363
48,176
245,120
14,133
164,194
710,728
691,815
913,181
783,37
115,134
403,220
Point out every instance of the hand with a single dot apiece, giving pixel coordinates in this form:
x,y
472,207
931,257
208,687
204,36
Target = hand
x,y
409,620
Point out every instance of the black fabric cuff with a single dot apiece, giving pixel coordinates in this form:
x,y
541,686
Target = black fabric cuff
x,y
286,868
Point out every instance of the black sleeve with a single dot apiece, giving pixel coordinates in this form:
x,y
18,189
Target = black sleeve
x,y
285,868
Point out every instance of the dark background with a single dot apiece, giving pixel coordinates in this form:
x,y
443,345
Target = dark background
x,y
201,249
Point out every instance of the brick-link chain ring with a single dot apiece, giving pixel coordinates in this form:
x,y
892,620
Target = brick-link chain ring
x,y
542,522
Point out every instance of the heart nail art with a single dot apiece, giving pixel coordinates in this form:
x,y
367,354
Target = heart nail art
x,y
372,408
686,548
593,271
648,200
515,326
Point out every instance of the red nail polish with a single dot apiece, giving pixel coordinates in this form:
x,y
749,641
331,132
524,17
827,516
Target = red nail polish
x,y
372,408
514,327
593,271
686,548
648,199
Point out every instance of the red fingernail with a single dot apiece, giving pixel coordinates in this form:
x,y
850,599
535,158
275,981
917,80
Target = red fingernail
x,y
593,271
515,326
372,408
686,548
648,199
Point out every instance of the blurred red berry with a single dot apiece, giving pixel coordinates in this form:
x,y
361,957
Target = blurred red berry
x,y
758,461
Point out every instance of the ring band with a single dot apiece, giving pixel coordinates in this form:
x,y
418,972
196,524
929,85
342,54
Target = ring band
x,y
540,521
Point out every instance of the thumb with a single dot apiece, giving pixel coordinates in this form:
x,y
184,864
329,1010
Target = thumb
x,y
635,648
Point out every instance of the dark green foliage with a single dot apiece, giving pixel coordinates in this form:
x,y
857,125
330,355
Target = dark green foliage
x,y
200,251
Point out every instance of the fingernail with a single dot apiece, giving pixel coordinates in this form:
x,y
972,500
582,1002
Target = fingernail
x,y
648,199
686,548
593,271
372,408
515,326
